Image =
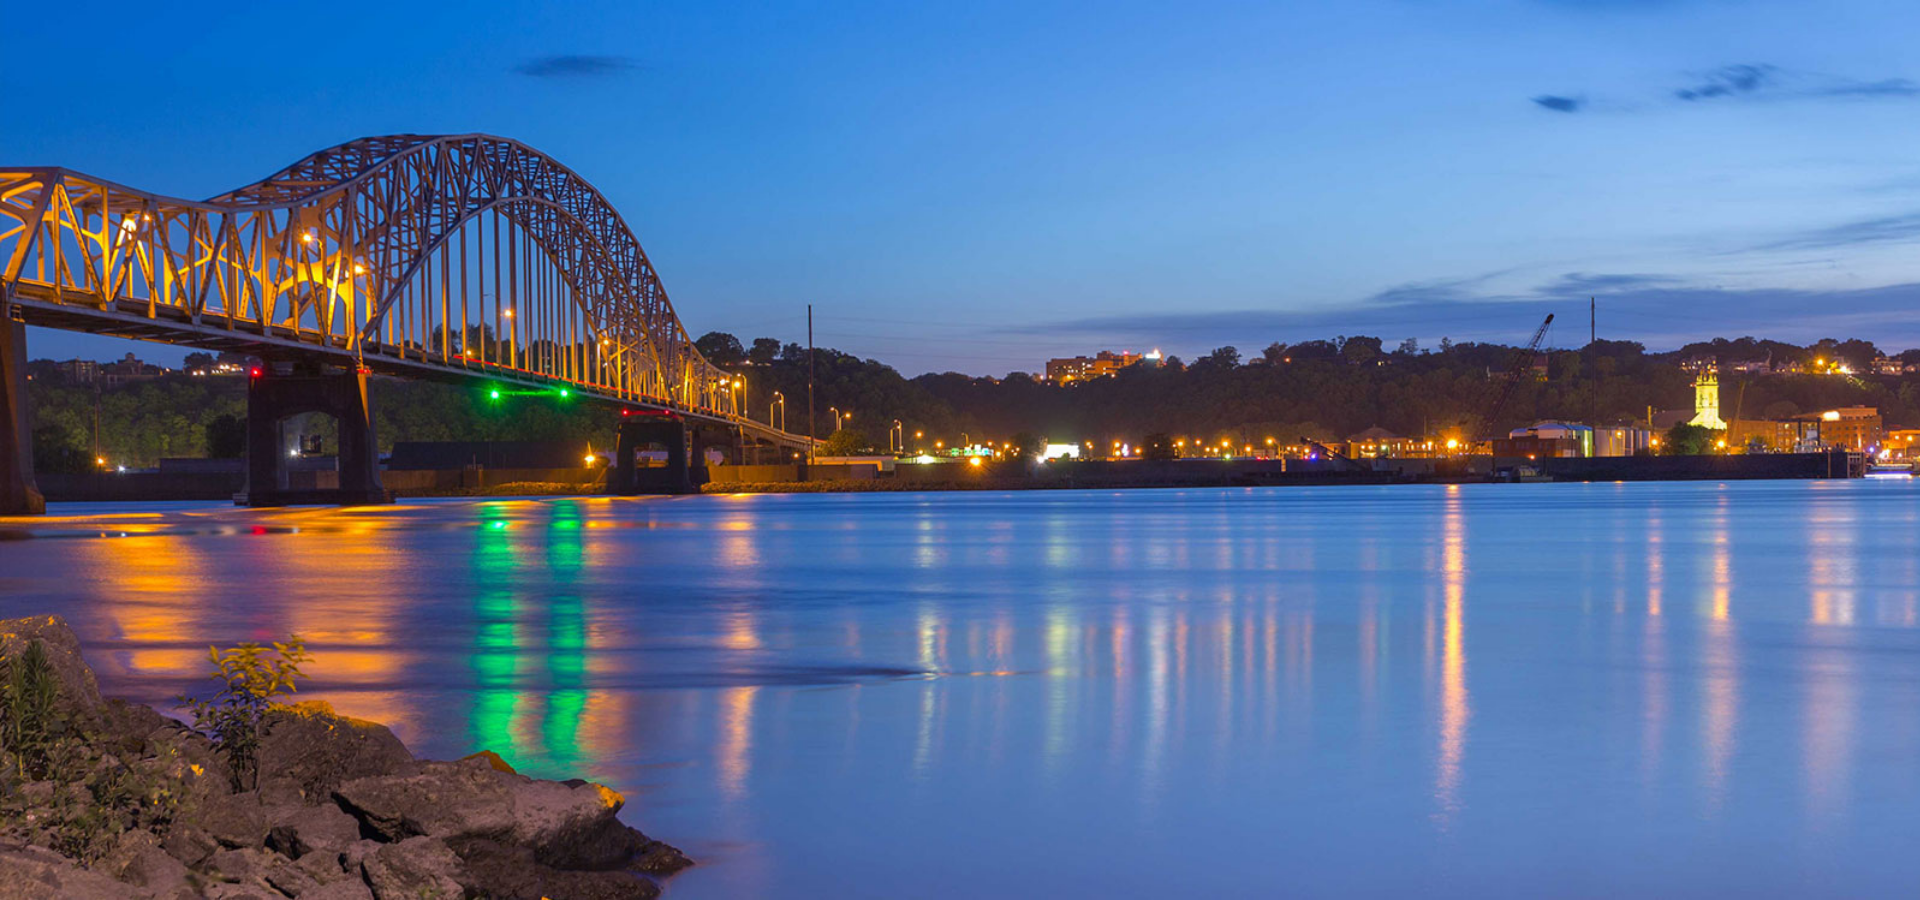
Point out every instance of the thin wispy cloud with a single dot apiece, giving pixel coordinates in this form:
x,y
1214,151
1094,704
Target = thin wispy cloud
x,y
1753,82
1892,87
1880,230
1560,104
1659,311
1730,81
1581,284
575,66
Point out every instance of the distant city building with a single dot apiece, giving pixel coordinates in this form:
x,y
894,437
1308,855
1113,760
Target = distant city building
x,y
219,369
1056,451
1377,442
128,369
1531,446
1884,365
79,371
1771,435
1852,427
1901,443
1571,439
1546,439
1085,368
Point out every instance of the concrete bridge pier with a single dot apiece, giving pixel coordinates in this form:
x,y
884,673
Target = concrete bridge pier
x,y
639,432
711,438
19,495
275,395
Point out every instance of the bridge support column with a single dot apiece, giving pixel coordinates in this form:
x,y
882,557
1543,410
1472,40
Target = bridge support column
x,y
273,398
626,477
704,439
19,495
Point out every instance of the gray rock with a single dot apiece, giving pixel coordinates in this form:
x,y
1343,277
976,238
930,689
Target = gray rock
x,y
223,891
189,844
493,759
137,859
79,693
124,727
33,873
288,877
326,868
179,747
509,872
416,868
659,858
351,889
309,750
357,853
242,866
613,845
472,799
235,820
299,830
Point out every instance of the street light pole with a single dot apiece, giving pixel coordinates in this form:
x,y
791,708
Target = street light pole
x,y
812,450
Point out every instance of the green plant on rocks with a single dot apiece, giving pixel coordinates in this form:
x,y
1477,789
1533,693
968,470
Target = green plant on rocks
x,y
32,728
252,678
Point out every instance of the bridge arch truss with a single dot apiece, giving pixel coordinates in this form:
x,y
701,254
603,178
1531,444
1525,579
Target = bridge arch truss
x,y
445,255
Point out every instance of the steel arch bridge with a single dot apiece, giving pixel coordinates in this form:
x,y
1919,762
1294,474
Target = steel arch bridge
x,y
452,257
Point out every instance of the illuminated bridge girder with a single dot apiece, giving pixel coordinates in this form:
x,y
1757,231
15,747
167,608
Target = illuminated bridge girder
x,y
453,256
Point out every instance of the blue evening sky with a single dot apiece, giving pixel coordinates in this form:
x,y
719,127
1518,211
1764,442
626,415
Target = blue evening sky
x,y
978,186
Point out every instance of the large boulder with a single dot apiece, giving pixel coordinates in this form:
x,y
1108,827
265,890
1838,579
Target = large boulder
x,y
125,727
419,868
299,830
79,693
137,859
472,799
309,750
237,821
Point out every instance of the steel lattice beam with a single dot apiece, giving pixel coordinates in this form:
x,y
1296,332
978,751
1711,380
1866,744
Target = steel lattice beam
x,y
426,254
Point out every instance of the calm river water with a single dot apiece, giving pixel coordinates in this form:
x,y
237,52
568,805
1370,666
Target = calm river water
x,y
1568,690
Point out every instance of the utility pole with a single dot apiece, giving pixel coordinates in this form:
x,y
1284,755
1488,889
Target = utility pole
x,y
1593,348
812,450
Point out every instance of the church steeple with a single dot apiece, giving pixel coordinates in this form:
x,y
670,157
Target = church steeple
x,y
1706,399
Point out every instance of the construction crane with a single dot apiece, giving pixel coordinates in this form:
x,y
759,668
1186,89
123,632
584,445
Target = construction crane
x,y
1510,379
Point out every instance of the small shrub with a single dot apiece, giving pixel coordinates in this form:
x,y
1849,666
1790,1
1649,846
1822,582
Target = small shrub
x,y
252,678
32,729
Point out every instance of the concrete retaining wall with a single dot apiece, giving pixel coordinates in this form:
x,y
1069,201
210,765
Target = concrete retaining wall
x,y
1698,468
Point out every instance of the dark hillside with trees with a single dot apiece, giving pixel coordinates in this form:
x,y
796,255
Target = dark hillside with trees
x,y
1321,389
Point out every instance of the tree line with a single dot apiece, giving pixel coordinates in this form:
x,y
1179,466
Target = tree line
x,y
1323,389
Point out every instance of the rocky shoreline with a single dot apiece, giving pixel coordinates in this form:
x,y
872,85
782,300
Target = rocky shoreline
x,y
146,808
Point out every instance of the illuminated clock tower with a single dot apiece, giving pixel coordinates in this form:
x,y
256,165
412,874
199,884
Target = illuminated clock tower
x,y
1706,400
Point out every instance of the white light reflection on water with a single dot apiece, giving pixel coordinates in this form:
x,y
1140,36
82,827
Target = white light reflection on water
x,y
1673,690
